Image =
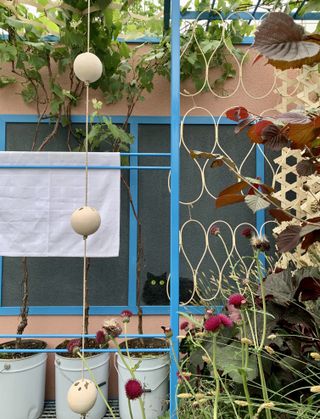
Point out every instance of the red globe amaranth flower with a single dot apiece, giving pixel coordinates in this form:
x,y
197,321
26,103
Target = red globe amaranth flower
x,y
214,230
184,326
212,324
133,389
247,232
236,300
74,345
183,376
225,320
100,337
126,315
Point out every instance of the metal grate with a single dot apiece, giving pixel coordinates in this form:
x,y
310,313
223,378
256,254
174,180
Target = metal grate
x,y
49,411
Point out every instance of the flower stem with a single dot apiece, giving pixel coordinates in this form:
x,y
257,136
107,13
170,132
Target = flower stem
x,y
216,376
96,384
130,409
263,337
128,367
245,361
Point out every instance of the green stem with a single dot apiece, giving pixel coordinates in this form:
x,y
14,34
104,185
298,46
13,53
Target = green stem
x,y
245,362
216,377
96,384
130,409
263,384
263,337
128,367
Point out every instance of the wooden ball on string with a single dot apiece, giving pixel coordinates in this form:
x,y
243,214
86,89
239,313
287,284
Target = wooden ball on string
x,y
85,221
87,67
82,396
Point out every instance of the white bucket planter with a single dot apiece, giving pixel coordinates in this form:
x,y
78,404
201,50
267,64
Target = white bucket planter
x,y
22,387
153,373
68,370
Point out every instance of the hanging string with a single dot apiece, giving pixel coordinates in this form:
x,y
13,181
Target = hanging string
x,y
84,290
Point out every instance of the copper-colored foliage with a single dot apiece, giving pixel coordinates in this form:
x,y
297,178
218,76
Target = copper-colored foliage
x,y
229,199
254,132
237,114
284,43
306,167
304,134
274,138
279,215
289,238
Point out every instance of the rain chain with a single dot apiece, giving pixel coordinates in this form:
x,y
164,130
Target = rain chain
x,y
85,221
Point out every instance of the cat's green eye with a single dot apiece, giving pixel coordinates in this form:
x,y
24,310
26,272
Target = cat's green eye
x,y
161,282
153,282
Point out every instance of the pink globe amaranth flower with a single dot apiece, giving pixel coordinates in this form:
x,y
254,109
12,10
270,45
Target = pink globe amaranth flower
x,y
73,346
184,326
236,300
100,337
212,324
225,320
234,313
126,315
133,389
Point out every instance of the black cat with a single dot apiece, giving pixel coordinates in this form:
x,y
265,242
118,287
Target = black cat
x,y
155,290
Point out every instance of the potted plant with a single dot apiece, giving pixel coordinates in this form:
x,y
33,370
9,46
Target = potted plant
x,y
18,369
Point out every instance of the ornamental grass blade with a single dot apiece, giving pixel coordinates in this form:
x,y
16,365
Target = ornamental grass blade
x,y
256,203
282,41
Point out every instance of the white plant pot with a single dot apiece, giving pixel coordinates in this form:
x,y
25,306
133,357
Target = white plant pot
x,y
68,370
153,374
22,387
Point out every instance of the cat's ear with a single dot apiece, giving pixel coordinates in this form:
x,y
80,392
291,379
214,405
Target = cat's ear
x,y
149,275
164,275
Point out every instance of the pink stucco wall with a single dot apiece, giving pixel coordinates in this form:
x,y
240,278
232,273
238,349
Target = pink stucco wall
x,y
258,80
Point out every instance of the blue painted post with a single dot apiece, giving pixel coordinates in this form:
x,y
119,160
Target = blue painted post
x,y
133,226
2,148
260,215
174,202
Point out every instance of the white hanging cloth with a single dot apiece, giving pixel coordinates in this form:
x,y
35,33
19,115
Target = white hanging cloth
x,y
36,204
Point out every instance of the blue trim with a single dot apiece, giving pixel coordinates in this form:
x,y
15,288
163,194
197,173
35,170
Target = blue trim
x,y
73,336
96,310
174,201
133,226
193,15
140,120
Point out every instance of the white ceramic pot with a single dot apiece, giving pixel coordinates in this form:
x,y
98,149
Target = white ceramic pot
x,y
22,387
68,370
153,374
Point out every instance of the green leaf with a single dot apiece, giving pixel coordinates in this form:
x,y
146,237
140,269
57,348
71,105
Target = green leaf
x,y
29,93
7,52
5,81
